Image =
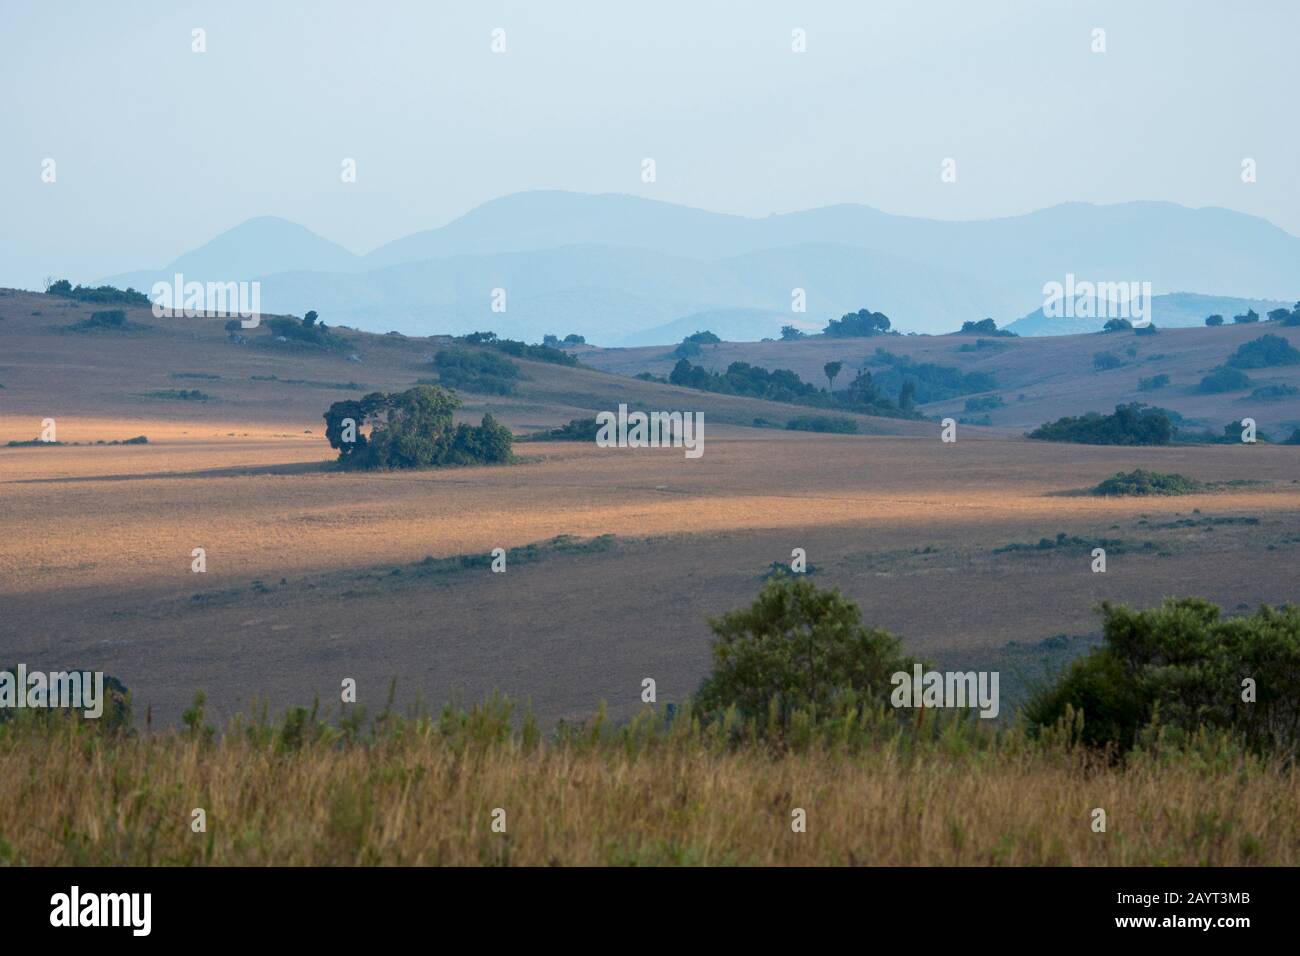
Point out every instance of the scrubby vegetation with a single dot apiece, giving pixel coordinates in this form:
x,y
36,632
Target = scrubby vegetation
x,y
1105,361
985,345
931,383
860,324
1267,351
516,349
823,423
782,385
984,327
1142,482
1224,379
180,395
412,429
579,429
1153,383
1274,391
109,320
303,332
101,295
476,370
1132,424
984,403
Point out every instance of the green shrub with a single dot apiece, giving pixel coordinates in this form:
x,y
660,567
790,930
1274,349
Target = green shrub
x,y
823,423
1267,351
1142,482
1224,379
476,371
299,332
1274,391
103,295
1105,361
1154,382
797,647
579,429
1181,667
984,403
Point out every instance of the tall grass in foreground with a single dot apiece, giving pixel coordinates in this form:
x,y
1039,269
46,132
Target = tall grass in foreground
x,y
662,789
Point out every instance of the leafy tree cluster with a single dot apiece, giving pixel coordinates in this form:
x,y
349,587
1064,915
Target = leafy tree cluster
x,y
1153,383
1184,667
833,424
555,342
790,334
783,385
412,429
985,327
516,349
476,371
1132,424
104,294
932,383
741,378
860,324
1267,351
1250,317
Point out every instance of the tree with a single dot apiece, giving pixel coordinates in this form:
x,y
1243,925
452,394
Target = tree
x,y
574,339
832,369
412,429
789,333
1116,325
1104,361
551,341
798,647
703,338
907,395
310,318
1279,315
1250,316
1214,320
1181,666
858,324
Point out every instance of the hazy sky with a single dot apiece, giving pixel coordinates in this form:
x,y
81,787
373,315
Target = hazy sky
x,y
158,148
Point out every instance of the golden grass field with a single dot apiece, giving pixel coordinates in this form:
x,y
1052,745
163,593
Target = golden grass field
x,y
425,793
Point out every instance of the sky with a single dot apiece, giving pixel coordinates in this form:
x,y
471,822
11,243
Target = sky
x,y
158,148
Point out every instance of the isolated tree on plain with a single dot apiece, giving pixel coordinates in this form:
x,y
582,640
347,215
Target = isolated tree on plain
x,y
832,369
310,319
789,333
1214,320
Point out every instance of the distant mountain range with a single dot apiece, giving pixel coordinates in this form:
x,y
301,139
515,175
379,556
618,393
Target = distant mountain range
x,y
622,270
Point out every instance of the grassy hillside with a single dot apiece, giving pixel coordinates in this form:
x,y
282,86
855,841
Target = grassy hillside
x,y
48,370
1039,379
